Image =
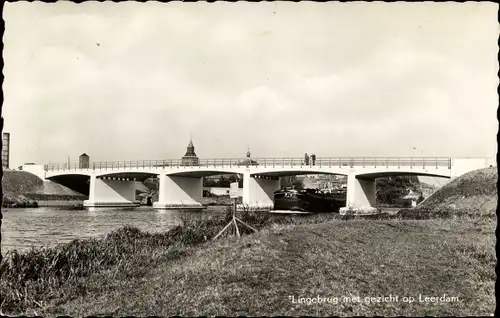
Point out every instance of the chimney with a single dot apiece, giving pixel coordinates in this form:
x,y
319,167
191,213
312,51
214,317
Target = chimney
x,y
5,150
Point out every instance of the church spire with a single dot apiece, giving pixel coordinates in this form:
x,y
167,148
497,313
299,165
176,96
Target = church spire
x,y
190,145
190,157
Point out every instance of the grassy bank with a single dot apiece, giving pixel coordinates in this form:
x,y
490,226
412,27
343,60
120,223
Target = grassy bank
x,y
474,193
18,201
15,181
22,189
182,272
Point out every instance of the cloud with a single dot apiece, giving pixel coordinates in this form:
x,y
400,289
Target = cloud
x,y
280,78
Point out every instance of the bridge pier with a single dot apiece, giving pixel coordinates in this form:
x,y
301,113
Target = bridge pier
x,y
111,192
361,195
258,192
177,192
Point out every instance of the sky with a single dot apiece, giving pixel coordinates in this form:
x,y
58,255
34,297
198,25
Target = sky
x,y
132,81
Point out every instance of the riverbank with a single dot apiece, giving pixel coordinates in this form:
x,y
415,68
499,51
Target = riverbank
x,y
18,201
220,200
182,272
22,189
40,200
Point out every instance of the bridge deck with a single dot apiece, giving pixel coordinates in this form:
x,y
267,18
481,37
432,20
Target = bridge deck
x,y
261,162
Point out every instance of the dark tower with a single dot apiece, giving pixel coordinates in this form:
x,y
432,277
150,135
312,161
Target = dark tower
x,y
5,150
190,158
83,162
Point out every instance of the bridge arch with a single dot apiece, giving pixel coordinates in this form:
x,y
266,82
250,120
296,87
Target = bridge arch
x,y
372,174
135,175
290,171
55,174
203,172
79,182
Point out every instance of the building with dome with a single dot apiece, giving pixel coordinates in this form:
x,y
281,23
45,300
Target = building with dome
x,y
190,158
248,161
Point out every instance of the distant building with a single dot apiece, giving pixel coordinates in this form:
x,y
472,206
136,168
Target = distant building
x,y
326,181
214,178
84,161
220,191
5,150
426,189
190,158
248,161
308,182
411,199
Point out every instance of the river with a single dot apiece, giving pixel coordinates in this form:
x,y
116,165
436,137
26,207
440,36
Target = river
x,y
23,229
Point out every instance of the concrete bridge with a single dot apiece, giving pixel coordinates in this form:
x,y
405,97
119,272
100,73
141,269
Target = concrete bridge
x,y
112,184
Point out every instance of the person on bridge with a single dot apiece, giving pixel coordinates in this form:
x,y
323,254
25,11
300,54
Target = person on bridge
x,y
313,159
306,159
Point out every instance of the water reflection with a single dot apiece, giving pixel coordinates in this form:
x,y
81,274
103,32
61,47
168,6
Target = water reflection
x,y
23,229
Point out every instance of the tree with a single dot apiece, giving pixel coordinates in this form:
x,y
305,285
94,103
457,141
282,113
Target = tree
x,y
223,182
298,184
390,189
287,182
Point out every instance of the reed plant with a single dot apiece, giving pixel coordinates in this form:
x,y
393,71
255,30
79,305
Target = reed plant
x,y
30,277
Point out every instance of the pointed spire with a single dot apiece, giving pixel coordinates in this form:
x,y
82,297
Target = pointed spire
x,y
190,149
190,157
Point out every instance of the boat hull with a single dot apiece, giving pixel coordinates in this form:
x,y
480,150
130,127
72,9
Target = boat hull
x,y
308,202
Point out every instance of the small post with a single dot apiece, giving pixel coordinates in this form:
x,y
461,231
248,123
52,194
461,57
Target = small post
x,y
233,193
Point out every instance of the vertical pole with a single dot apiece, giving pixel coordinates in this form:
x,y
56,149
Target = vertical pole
x,y
234,208
234,219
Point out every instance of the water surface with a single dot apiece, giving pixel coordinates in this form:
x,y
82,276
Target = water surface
x,y
23,229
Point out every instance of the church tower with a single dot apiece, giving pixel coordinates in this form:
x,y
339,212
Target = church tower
x,y
190,158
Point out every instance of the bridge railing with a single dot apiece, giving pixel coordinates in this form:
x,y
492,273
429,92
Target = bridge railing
x,y
265,162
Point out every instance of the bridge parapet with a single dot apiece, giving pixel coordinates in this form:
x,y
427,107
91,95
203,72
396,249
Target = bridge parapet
x,y
262,162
